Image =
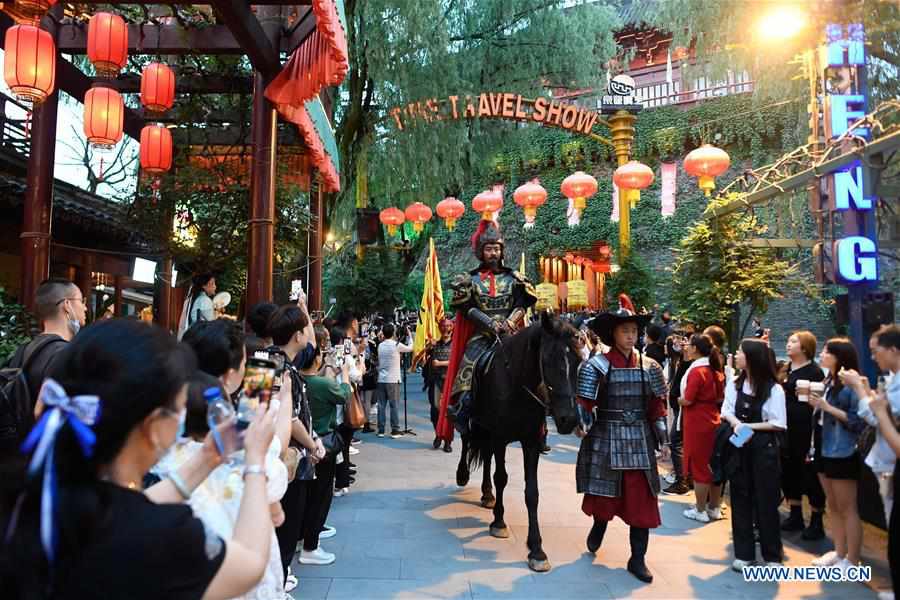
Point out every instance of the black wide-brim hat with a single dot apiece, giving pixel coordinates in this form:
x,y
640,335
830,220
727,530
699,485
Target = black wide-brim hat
x,y
605,323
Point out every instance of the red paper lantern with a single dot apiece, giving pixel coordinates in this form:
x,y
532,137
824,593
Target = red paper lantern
x,y
631,178
107,43
29,63
450,209
104,114
392,218
157,87
487,203
156,149
419,214
579,186
706,162
530,196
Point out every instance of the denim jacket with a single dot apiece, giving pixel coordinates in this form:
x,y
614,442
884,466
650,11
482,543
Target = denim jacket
x,y
838,438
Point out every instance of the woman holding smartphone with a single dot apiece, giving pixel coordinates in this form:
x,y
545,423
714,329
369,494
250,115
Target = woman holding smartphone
x,y
755,406
837,460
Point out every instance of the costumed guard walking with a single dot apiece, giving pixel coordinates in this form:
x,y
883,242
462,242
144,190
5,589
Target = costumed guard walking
x,y
622,407
489,301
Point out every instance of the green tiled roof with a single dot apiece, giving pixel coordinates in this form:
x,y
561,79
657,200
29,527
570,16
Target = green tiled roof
x,y
320,121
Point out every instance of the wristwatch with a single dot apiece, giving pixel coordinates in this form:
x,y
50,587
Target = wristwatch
x,y
255,470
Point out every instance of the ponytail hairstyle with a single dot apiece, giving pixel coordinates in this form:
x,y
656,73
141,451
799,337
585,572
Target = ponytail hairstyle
x,y
705,346
134,369
760,369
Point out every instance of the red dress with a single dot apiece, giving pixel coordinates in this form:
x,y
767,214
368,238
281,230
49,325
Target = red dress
x,y
637,505
704,393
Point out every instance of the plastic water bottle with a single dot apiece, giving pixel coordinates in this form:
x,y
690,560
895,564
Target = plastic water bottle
x,y
223,422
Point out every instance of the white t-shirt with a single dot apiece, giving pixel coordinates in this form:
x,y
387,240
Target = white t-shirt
x,y
389,360
774,411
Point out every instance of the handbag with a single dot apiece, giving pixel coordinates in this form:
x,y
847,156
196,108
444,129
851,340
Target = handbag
x,y
333,443
354,415
866,440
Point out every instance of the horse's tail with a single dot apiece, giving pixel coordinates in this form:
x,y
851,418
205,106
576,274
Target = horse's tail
x,y
480,447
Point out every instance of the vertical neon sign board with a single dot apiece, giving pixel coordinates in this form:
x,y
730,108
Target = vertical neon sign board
x,y
855,254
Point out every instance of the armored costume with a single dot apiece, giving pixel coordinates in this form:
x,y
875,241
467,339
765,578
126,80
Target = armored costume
x,y
621,403
485,299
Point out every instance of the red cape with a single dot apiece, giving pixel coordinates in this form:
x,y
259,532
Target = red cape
x,y
462,331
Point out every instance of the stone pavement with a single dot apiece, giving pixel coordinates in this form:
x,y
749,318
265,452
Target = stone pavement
x,y
407,531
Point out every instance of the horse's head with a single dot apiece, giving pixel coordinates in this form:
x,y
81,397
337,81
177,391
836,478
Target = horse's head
x,y
559,362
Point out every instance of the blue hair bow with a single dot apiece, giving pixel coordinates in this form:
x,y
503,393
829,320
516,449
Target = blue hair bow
x,y
80,412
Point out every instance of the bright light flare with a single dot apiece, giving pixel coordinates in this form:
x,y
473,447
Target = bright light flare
x,y
782,23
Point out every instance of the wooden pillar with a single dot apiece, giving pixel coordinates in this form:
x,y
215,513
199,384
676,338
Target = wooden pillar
x,y
86,284
38,201
262,197
119,283
164,309
71,273
317,213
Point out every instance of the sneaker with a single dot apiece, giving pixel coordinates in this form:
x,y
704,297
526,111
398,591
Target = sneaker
x,y
738,565
380,434
715,514
316,557
696,515
679,488
670,478
338,492
843,565
327,532
353,451
290,582
396,434
368,429
886,595
355,441
827,560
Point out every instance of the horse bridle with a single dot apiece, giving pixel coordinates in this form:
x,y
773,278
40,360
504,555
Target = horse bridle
x,y
543,389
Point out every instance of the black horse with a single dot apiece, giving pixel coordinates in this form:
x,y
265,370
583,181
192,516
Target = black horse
x,y
530,374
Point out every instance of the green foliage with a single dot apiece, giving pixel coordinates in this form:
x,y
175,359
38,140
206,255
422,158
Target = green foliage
x,y
377,283
715,270
16,326
634,279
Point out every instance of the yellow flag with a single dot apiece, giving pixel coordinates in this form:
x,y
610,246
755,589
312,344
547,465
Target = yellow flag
x,y
431,311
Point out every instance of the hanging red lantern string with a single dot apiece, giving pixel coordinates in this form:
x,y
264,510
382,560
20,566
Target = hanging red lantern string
x,y
487,203
530,196
450,209
156,149
107,43
392,218
419,214
104,113
157,87
706,163
29,63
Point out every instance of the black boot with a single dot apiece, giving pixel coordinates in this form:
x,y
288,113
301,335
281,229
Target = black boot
x,y
595,537
447,447
436,443
639,538
816,529
795,521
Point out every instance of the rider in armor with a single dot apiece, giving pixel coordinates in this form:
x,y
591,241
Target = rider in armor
x,y
622,408
491,301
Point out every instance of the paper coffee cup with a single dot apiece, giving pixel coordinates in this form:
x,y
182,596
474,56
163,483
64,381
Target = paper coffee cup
x,y
803,390
817,387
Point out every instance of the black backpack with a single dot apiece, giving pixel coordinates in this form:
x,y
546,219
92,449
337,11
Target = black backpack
x,y
16,408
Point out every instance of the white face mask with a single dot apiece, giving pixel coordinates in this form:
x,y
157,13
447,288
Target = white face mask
x,y
74,325
585,353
